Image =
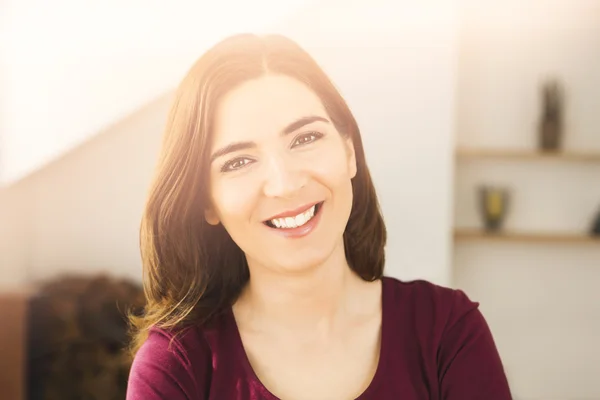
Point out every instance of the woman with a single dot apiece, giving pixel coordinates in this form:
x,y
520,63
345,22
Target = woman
x,y
263,249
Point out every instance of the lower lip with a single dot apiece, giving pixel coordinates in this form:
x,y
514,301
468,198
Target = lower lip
x,y
301,230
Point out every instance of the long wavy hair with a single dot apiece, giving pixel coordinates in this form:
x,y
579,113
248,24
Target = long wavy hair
x,y
194,270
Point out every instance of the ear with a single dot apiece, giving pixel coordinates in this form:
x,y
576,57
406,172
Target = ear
x,y
211,217
351,156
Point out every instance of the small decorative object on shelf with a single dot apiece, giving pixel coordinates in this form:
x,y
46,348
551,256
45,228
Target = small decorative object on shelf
x,y
493,206
551,121
595,231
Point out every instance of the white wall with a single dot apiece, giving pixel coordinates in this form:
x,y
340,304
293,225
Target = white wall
x,y
14,240
541,300
88,205
396,67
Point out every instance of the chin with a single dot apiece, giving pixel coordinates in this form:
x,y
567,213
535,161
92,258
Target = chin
x,y
308,260
301,266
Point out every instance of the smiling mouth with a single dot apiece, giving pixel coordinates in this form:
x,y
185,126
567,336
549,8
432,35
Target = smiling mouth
x,y
295,221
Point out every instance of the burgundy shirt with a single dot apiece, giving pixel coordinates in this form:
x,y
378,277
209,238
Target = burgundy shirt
x,y
435,344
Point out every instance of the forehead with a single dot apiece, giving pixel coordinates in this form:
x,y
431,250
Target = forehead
x,y
262,107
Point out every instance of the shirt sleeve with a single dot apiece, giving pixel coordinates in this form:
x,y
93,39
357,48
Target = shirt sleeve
x,y
163,369
468,360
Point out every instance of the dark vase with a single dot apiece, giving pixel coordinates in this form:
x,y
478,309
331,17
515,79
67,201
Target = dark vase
x,y
493,206
595,231
551,120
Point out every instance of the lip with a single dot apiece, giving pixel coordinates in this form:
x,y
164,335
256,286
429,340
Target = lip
x,y
301,230
293,213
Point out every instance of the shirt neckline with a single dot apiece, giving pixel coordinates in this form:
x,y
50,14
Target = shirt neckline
x,y
380,371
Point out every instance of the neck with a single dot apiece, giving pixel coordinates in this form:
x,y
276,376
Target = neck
x,y
314,299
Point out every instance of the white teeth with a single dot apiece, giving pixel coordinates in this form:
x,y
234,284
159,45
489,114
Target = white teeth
x,y
294,222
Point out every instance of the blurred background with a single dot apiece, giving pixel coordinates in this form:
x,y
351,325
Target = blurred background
x,y
481,125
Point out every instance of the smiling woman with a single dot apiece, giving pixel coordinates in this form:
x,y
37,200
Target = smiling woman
x,y
263,250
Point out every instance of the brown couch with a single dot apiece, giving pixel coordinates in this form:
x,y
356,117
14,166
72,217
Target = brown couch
x,y
13,319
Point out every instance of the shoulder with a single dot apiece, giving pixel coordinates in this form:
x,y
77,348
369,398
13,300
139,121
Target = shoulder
x,y
426,296
454,339
428,306
183,346
170,365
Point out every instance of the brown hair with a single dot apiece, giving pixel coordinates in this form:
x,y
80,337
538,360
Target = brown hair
x,y
193,270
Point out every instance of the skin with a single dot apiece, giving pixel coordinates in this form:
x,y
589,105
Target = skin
x,y
309,325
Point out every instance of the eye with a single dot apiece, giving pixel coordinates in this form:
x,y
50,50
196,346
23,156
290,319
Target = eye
x,y
235,164
306,138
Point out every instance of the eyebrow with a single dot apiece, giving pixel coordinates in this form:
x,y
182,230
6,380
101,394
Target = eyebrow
x,y
294,126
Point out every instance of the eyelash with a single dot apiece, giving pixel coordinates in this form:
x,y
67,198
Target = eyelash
x,y
317,136
228,166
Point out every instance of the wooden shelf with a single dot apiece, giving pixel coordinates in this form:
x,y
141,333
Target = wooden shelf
x,y
527,155
530,237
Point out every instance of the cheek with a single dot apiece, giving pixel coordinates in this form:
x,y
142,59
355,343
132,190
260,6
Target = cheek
x,y
233,200
332,166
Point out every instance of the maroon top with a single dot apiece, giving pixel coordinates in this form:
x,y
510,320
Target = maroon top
x,y
435,344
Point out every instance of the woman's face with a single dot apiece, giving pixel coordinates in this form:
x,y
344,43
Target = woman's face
x,y
280,174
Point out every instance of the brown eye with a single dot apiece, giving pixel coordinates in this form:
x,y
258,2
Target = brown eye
x,y
306,138
235,164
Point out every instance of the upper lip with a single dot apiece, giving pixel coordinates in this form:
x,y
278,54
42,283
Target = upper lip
x,y
294,212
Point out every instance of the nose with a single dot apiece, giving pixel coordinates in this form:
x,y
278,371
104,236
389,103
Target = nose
x,y
283,177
